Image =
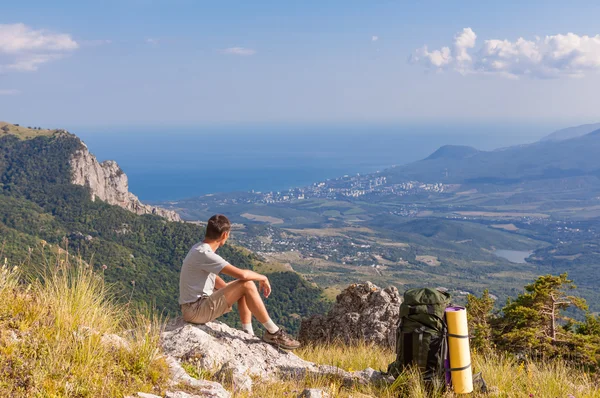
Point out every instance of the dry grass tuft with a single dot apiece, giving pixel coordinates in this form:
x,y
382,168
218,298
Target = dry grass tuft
x,y
505,377
64,335
357,356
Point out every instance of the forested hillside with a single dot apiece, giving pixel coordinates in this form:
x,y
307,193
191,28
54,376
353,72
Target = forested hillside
x,y
140,255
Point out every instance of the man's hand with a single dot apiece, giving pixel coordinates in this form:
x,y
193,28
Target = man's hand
x,y
265,287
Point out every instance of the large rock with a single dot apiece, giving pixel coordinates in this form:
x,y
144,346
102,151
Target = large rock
x,y
175,394
222,349
109,183
204,388
361,312
314,393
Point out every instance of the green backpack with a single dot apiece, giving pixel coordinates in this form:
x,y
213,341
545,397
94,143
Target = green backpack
x,y
421,337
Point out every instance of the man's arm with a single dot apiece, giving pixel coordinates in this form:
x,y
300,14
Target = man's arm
x,y
219,283
247,275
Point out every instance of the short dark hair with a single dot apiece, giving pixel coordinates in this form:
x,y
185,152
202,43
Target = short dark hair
x,y
216,226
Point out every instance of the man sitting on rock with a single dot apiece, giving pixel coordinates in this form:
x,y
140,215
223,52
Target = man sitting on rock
x,y
204,296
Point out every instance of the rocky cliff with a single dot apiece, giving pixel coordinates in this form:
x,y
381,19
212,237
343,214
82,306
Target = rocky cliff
x,y
361,312
109,183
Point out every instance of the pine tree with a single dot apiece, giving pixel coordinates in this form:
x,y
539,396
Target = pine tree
x,y
591,326
531,323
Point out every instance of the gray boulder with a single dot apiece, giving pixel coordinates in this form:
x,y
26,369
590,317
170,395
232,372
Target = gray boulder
x,y
181,394
237,356
146,395
313,393
204,388
177,394
361,312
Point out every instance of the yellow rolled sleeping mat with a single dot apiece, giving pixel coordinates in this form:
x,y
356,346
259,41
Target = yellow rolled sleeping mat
x,y
459,353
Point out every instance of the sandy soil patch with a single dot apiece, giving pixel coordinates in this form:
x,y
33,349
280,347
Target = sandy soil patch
x,y
469,192
316,231
330,231
391,243
331,292
267,219
570,258
506,227
424,213
500,214
429,260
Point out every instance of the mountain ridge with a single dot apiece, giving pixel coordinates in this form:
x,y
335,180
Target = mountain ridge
x,y
453,152
105,180
571,132
576,156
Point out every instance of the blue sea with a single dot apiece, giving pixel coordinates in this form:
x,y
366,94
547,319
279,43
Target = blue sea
x,y
173,163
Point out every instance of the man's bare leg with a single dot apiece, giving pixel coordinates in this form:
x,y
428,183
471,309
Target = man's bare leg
x,y
247,290
245,313
245,316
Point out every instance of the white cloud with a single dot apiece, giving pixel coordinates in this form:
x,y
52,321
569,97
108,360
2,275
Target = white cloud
x,y
238,51
24,49
18,37
464,41
152,41
549,57
435,58
9,92
30,62
374,38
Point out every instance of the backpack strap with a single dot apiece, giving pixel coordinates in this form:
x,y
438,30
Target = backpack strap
x,y
461,368
407,343
458,336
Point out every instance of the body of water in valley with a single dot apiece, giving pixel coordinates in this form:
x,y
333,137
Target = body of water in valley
x,y
514,256
175,163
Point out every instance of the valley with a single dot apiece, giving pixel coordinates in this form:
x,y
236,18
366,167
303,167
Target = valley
x,y
437,222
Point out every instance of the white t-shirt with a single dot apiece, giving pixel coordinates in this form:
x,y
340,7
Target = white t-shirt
x,y
198,273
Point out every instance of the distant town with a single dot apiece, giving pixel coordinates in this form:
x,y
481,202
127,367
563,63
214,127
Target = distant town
x,y
344,187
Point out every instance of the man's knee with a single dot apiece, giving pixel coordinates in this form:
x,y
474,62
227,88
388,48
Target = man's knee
x,y
249,286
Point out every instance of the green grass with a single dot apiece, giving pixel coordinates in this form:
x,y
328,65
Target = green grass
x,y
23,133
63,335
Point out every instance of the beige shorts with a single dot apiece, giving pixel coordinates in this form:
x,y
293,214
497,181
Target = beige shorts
x,y
206,309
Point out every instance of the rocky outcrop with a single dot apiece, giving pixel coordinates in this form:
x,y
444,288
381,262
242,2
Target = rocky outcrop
x,y
182,394
237,358
109,183
313,393
204,388
361,312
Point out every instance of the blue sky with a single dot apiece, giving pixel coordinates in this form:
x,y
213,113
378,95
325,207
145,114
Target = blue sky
x,y
185,62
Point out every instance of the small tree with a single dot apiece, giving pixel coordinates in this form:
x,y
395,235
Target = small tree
x,y
531,322
479,310
591,326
